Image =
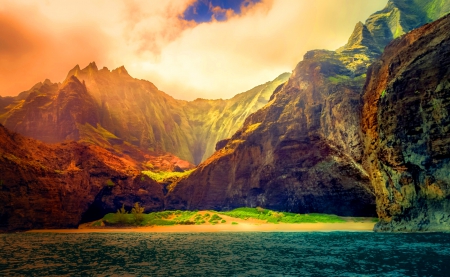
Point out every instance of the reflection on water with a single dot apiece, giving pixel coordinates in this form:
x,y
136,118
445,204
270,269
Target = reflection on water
x,y
225,254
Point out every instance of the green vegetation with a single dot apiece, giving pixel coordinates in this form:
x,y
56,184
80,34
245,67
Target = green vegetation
x,y
98,136
383,93
137,212
121,215
59,171
161,176
109,183
281,217
336,79
214,219
166,218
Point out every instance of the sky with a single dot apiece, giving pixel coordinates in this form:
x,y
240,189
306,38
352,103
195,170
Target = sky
x,y
188,48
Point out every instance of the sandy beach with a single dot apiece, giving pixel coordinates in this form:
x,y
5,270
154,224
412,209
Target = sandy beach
x,y
241,227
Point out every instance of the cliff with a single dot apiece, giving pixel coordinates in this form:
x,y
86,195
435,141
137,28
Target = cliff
x,y
303,151
406,135
61,185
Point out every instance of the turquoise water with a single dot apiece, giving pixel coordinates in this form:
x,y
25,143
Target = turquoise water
x,y
225,254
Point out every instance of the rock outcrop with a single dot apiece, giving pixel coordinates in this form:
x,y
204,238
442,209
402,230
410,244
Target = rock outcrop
x,y
61,185
405,121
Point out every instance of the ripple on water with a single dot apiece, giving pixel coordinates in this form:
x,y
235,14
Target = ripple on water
x,y
225,254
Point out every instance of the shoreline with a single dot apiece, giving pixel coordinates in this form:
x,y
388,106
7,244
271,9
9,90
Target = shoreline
x,y
241,227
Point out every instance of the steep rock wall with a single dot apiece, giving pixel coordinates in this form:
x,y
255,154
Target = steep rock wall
x,y
405,121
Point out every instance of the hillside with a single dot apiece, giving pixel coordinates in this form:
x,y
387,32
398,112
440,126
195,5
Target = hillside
x,y
61,185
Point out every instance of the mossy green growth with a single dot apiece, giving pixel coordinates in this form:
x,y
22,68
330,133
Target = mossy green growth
x,y
160,176
338,79
109,183
165,218
383,93
97,223
282,217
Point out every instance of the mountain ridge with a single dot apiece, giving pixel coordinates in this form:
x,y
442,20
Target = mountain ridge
x,y
138,113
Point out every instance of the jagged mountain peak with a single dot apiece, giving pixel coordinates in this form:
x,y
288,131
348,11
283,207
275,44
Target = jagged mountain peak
x,y
73,71
121,71
361,38
91,67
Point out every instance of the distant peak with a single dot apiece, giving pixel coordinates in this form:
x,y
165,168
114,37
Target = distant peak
x,y
47,82
71,79
121,71
92,66
74,71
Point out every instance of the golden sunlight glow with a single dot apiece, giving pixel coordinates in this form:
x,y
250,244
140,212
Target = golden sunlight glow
x,y
217,59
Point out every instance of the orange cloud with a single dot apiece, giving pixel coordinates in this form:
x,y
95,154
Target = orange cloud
x,y
46,38
31,51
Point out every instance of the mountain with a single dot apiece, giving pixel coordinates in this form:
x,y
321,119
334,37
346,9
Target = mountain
x,y
127,115
304,150
61,185
300,153
368,40
58,112
405,121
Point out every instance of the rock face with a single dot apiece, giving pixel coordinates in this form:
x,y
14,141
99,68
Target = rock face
x,y
59,186
303,151
406,130
300,153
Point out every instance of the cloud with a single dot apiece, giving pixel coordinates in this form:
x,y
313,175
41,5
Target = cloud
x,y
216,59
219,59
31,49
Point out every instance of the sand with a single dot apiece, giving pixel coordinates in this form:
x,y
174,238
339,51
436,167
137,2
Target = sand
x,y
241,227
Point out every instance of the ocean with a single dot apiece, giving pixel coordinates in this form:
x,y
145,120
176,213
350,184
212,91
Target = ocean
x,y
225,254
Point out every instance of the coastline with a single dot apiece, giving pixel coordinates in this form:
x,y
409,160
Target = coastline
x,y
241,227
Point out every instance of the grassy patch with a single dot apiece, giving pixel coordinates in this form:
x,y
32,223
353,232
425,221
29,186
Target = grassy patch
x,y
336,79
95,135
160,176
166,218
281,217
97,223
